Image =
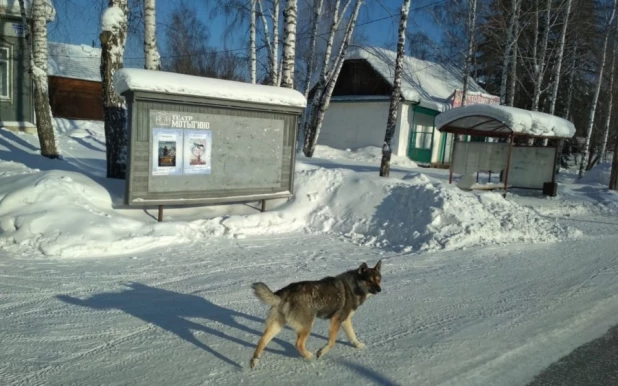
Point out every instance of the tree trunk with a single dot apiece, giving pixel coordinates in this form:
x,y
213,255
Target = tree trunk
x,y
324,90
391,123
317,13
471,31
289,44
567,107
252,51
595,100
514,61
613,180
113,39
151,53
610,98
37,49
325,74
508,47
274,73
560,55
540,61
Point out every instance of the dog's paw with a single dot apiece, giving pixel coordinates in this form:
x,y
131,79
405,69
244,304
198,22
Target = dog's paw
x,y
309,356
359,345
320,353
254,362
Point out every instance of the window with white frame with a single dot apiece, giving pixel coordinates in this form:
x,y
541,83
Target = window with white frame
x,y
5,73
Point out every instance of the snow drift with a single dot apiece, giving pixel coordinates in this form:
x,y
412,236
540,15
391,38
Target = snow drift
x,y
64,213
369,154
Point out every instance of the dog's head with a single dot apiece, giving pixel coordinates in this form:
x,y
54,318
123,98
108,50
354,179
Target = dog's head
x,y
370,278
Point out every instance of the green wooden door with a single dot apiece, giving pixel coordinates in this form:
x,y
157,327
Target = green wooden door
x,y
422,128
421,146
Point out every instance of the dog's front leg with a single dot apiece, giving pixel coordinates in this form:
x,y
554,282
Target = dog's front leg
x,y
349,330
335,325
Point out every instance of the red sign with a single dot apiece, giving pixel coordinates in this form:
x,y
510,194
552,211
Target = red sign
x,y
475,98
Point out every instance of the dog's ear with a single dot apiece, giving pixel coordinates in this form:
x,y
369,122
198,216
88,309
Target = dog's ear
x,y
378,266
363,267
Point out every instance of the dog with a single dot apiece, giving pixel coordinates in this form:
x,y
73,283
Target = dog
x,y
298,304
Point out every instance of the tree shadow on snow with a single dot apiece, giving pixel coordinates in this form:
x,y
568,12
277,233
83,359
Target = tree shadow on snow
x,y
169,310
21,151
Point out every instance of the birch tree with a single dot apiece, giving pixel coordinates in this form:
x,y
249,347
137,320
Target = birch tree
x,y
391,123
252,49
151,53
540,60
36,39
610,98
289,44
613,178
584,160
471,32
511,40
317,13
559,58
113,39
328,76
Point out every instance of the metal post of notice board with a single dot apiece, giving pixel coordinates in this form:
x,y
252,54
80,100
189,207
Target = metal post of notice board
x,y
160,217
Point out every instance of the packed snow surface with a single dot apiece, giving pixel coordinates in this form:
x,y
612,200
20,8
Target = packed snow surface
x,y
516,120
180,84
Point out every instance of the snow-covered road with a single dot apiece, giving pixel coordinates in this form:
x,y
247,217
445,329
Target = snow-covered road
x,y
186,316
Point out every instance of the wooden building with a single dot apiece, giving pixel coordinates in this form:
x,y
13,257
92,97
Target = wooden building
x,y
359,107
75,87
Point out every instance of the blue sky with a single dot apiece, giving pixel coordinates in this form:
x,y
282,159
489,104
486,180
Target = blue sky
x,y
79,24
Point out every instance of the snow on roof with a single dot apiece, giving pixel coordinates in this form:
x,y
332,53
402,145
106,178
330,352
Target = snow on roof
x,y
430,84
501,120
74,61
172,83
11,7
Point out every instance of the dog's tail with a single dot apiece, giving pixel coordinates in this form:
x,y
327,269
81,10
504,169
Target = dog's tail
x,y
264,293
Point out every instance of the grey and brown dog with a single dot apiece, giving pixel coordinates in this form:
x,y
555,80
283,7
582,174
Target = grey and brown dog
x,y
298,304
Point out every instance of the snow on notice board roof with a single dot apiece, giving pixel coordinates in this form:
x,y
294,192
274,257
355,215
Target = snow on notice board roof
x,y
516,120
11,7
430,84
172,83
74,61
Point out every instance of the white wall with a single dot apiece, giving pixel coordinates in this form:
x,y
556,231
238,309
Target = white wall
x,y
401,140
356,124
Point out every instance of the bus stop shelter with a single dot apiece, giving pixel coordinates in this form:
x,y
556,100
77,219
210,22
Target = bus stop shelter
x,y
529,167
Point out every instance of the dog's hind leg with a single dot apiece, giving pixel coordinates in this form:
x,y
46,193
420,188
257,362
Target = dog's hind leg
x,y
349,331
335,324
274,324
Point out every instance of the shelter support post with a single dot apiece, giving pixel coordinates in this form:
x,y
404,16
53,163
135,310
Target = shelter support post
x,y
508,165
450,173
263,209
160,216
553,174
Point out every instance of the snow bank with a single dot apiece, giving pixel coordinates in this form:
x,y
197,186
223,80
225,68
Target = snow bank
x,y
518,120
369,154
180,84
415,214
599,174
62,213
